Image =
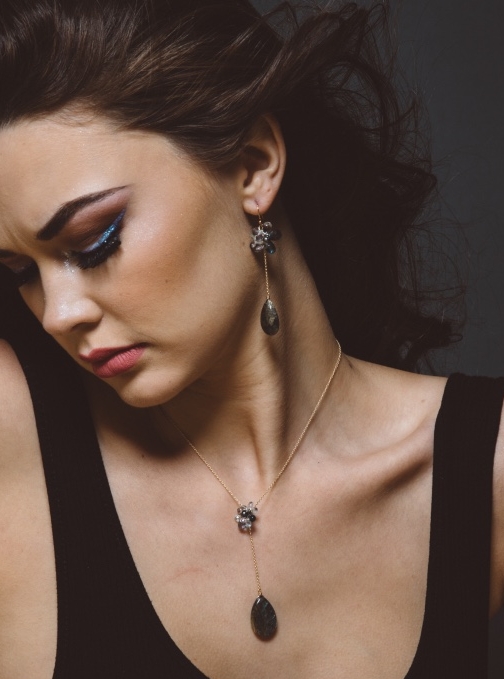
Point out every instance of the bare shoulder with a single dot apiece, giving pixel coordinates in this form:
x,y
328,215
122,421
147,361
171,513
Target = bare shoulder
x,y
416,400
17,422
27,576
386,424
399,402
497,599
19,448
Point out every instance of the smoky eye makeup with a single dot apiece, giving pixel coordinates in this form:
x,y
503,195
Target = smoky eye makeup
x,y
107,244
98,252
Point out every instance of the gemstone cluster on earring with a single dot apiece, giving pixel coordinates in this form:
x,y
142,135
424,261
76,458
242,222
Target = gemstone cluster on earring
x,y
246,516
263,236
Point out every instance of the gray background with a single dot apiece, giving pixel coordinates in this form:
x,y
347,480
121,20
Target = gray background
x,y
453,52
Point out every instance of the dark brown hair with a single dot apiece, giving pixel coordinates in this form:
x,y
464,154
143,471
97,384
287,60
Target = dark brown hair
x,y
202,72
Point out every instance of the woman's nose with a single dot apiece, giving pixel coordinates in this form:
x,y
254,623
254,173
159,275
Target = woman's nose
x,y
67,306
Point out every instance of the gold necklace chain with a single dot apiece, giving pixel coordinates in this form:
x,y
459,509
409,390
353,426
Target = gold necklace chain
x,y
292,453
263,615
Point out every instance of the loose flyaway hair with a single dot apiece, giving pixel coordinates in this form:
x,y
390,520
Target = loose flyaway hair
x,y
202,72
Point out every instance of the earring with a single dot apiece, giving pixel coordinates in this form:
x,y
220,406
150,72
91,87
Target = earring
x,y
263,236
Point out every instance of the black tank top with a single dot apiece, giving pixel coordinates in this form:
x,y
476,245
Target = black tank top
x,y
107,626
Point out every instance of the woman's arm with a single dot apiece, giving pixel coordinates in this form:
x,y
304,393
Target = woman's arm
x,y
26,565
17,422
18,440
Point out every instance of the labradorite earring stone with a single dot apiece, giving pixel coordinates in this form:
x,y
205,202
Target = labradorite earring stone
x,y
263,619
270,322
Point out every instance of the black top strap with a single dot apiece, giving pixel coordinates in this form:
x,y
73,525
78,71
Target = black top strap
x,y
454,641
107,627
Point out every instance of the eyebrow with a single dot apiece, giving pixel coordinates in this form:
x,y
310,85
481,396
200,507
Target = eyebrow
x,y
68,210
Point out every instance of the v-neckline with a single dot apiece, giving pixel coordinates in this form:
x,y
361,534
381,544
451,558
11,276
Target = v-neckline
x,y
141,595
136,579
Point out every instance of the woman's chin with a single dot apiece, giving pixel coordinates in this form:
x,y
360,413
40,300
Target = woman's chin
x,y
144,390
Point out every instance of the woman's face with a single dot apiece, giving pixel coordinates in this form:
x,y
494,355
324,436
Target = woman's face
x,y
129,253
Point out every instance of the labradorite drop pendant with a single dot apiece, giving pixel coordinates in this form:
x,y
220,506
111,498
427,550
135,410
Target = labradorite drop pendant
x,y
263,619
270,321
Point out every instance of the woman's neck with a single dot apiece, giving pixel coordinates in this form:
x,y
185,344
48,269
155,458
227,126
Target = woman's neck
x,y
246,414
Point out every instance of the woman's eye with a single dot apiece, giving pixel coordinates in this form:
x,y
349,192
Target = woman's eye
x,y
94,255
106,245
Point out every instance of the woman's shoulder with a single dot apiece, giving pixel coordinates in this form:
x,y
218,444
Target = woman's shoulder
x,y
406,402
473,406
407,407
18,430
14,390
27,563
387,419
398,402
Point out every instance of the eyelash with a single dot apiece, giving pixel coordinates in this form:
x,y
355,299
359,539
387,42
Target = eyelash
x,y
97,253
106,245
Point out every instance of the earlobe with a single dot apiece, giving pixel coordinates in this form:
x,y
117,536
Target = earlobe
x,y
263,160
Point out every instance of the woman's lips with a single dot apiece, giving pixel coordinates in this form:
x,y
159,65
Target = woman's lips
x,y
111,362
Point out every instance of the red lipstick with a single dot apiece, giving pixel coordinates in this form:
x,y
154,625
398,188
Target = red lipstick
x,y
111,362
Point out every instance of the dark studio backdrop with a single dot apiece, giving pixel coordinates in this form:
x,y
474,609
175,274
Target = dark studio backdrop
x,y
452,52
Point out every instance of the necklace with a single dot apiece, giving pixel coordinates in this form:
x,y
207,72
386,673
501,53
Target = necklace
x,y
263,616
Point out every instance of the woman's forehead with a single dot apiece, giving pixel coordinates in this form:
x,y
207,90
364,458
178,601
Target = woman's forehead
x,y
43,161
47,162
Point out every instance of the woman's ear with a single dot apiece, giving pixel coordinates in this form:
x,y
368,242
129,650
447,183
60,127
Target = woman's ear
x,y
262,165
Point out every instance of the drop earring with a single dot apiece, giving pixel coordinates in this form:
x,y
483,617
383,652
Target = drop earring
x,y
263,236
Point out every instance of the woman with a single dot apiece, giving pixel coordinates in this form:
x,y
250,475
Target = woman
x,y
155,155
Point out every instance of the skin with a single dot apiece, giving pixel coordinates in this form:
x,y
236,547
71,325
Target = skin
x,y
185,283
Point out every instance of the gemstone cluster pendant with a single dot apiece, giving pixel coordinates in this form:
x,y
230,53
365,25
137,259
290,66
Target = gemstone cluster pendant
x,y
246,516
263,619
